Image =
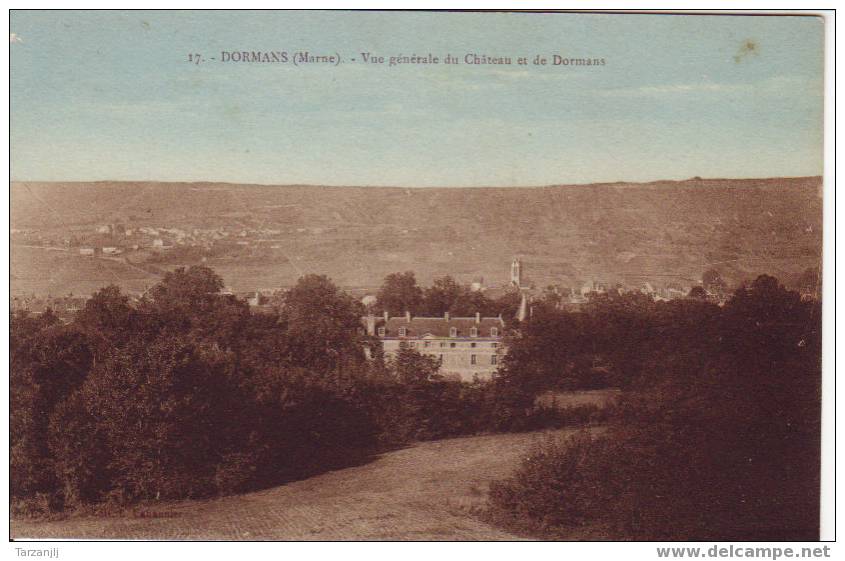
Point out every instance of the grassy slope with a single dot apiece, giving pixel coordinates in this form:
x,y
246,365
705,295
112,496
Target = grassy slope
x,y
662,231
429,491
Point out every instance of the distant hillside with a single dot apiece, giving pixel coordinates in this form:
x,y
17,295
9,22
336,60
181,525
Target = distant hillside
x,y
659,232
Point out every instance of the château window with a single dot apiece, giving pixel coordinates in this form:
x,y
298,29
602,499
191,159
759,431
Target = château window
x,y
494,332
442,344
426,344
453,345
403,331
381,332
473,332
413,344
494,359
472,359
472,345
453,332
403,344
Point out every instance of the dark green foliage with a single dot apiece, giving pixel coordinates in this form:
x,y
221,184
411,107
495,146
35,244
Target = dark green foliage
x,y
48,361
428,410
412,367
188,394
108,319
601,345
446,295
189,302
717,439
297,423
81,454
159,410
399,294
552,487
321,324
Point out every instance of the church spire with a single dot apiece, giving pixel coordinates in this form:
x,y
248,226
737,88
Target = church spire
x,y
522,312
516,272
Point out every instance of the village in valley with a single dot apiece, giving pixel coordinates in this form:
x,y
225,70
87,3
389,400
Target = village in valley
x,y
70,239
143,243
465,337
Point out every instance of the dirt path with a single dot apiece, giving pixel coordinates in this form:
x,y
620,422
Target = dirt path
x,y
426,492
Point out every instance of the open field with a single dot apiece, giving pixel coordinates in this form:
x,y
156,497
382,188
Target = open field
x,y
660,232
430,491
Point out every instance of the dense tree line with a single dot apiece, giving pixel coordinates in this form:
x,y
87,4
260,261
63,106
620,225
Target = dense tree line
x,y
187,393
717,438
400,293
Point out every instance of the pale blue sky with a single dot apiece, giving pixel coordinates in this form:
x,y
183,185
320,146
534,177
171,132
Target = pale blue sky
x,y
110,95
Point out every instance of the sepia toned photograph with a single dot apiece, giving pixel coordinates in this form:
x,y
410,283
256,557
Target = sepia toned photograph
x,y
294,275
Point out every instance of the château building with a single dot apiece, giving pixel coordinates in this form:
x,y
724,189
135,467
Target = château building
x,y
468,348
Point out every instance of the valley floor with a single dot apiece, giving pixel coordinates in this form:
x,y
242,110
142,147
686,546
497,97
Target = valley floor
x,y
429,491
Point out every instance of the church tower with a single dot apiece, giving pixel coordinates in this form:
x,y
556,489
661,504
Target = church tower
x,y
522,311
516,272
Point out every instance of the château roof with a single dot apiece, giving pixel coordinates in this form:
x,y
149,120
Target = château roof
x,y
440,326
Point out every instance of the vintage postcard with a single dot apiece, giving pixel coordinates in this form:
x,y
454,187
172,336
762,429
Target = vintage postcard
x,y
416,276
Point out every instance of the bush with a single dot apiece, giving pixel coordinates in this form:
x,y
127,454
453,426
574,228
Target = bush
x,y
552,490
717,439
648,484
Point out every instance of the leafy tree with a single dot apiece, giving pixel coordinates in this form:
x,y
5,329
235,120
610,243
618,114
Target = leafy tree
x,y
478,302
48,361
299,422
160,412
108,319
412,367
553,350
190,301
106,311
80,453
446,295
322,324
186,288
507,305
399,293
